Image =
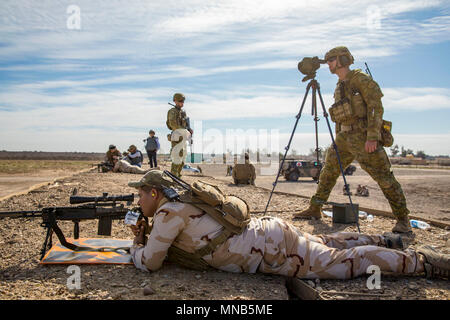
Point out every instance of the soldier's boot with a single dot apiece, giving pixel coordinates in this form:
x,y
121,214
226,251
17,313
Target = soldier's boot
x,y
313,211
393,241
436,264
402,226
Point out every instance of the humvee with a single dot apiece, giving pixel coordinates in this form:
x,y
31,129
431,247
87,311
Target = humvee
x,y
294,169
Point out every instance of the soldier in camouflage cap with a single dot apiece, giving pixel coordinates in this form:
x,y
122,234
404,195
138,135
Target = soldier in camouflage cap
x,y
358,114
177,120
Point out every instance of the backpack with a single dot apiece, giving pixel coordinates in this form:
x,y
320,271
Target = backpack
x,y
232,212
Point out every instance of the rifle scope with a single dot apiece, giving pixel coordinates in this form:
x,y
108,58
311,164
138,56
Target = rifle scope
x,y
104,198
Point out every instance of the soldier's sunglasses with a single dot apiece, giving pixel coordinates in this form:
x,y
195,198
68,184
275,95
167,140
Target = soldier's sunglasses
x,y
331,59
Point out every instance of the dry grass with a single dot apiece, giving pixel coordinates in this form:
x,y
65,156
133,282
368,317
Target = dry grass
x,y
35,166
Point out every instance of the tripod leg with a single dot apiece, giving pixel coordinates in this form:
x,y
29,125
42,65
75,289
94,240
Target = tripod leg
x,y
316,119
289,144
325,114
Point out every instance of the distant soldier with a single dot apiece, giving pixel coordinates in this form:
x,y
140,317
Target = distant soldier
x,y
135,156
344,190
121,165
152,146
178,123
112,152
244,173
358,114
362,191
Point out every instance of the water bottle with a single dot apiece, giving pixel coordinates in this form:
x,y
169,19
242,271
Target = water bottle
x,y
419,224
362,215
370,218
328,213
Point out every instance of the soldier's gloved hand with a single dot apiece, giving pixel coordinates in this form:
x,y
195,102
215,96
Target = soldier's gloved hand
x,y
371,146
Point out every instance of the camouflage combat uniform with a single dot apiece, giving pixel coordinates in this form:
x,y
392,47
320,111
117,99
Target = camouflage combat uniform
x,y
269,245
109,157
176,119
351,135
124,166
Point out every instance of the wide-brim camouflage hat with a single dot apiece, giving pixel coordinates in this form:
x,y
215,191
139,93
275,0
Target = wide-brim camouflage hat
x,y
153,178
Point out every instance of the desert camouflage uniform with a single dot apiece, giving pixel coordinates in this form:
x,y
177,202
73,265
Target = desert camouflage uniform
x,y
176,119
269,245
124,166
351,136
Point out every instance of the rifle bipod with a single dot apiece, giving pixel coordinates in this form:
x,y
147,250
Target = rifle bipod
x,y
314,84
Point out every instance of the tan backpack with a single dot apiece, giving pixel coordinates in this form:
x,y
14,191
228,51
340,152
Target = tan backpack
x,y
232,212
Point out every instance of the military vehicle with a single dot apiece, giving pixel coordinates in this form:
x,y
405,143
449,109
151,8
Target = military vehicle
x,y
294,169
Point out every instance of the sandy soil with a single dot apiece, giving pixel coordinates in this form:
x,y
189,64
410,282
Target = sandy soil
x,y
427,191
21,276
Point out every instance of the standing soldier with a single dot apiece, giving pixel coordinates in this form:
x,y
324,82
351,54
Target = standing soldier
x,y
358,114
176,119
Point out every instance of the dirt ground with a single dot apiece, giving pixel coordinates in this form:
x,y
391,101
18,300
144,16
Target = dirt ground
x,y
427,191
21,276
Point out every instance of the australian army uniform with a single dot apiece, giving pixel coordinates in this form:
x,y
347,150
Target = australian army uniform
x,y
176,119
269,245
358,113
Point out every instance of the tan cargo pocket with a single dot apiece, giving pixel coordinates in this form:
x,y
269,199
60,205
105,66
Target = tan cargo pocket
x,y
387,139
341,111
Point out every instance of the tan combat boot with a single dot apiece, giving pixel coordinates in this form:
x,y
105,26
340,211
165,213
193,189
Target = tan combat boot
x,y
436,264
313,211
402,226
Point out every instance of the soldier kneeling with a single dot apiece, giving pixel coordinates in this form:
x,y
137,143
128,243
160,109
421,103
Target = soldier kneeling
x,y
244,173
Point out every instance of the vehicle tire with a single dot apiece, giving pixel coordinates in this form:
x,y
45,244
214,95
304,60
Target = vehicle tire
x,y
293,176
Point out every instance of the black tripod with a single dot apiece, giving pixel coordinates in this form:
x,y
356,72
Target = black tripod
x,y
314,84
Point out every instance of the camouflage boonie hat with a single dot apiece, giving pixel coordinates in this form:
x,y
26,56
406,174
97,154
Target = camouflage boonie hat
x,y
178,97
153,178
111,146
339,51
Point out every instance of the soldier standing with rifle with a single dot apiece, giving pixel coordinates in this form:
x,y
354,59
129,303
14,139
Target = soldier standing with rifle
x,y
358,114
176,119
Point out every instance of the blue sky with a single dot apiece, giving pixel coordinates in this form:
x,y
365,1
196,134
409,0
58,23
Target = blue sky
x,y
109,81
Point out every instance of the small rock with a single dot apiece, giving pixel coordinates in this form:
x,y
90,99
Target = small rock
x,y
319,289
447,244
148,291
197,276
412,286
310,283
340,298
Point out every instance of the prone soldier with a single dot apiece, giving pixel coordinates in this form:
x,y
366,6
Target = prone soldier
x,y
266,244
358,114
121,165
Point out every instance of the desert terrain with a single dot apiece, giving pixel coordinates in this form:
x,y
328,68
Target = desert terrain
x,y
22,277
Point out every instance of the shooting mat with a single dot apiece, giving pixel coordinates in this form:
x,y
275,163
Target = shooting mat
x,y
61,255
